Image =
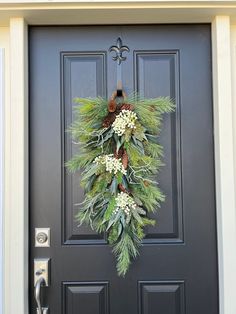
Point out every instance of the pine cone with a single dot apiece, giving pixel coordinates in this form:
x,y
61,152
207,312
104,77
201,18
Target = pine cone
x,y
122,188
146,183
109,119
127,107
119,154
125,159
112,105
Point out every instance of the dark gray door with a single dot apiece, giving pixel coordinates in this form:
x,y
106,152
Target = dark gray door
x,y
176,272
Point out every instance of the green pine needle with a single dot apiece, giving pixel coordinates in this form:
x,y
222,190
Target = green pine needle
x,y
99,208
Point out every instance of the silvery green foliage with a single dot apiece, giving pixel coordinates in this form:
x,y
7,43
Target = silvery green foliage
x,y
120,191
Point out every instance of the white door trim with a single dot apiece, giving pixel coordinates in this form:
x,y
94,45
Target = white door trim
x,y
16,170
16,219
224,163
2,69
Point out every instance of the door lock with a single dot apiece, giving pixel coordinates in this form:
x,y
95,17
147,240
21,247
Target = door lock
x,y
42,237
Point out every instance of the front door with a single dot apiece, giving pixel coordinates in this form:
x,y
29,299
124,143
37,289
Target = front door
x,y
176,272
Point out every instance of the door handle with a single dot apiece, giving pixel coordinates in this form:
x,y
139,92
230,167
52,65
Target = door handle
x,y
40,282
41,279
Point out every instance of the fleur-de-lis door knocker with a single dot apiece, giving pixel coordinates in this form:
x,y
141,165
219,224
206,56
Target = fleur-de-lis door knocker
x,y
119,49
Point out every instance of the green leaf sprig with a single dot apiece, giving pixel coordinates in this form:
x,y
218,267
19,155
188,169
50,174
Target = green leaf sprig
x,y
120,157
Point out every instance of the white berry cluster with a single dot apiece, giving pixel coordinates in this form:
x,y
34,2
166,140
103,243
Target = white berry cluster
x,y
111,163
125,203
125,119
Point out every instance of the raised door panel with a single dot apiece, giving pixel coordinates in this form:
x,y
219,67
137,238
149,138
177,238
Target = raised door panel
x,y
85,298
157,74
161,297
83,74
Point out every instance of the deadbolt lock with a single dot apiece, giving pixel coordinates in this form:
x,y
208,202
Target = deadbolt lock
x,y
42,237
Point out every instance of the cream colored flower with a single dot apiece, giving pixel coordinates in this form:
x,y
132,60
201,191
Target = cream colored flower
x,y
125,119
125,203
111,163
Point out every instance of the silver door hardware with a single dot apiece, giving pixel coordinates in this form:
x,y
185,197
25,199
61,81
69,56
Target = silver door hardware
x,y
41,270
42,237
41,279
40,282
45,310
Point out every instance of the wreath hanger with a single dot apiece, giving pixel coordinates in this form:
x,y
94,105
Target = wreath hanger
x,y
119,58
119,92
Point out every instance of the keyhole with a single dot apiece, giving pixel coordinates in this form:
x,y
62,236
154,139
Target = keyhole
x,y
42,237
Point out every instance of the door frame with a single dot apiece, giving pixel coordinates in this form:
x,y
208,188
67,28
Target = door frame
x,y
1,167
16,194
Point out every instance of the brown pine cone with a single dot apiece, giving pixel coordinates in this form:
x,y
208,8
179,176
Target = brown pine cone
x,y
122,188
125,159
112,105
127,107
109,119
119,154
146,183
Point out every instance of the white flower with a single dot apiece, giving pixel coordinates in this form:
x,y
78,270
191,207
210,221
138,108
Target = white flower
x,y
111,163
125,119
125,203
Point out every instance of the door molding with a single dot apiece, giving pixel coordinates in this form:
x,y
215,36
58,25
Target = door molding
x,y
224,162
86,12
2,68
16,168
16,173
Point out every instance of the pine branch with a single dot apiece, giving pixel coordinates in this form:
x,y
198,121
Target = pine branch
x,y
140,155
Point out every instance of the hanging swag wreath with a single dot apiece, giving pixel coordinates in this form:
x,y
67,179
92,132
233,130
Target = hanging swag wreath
x,y
120,156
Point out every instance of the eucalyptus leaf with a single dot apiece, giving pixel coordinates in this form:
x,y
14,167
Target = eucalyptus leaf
x,y
124,182
110,209
89,183
120,228
113,220
141,152
119,177
113,186
140,211
137,217
119,143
